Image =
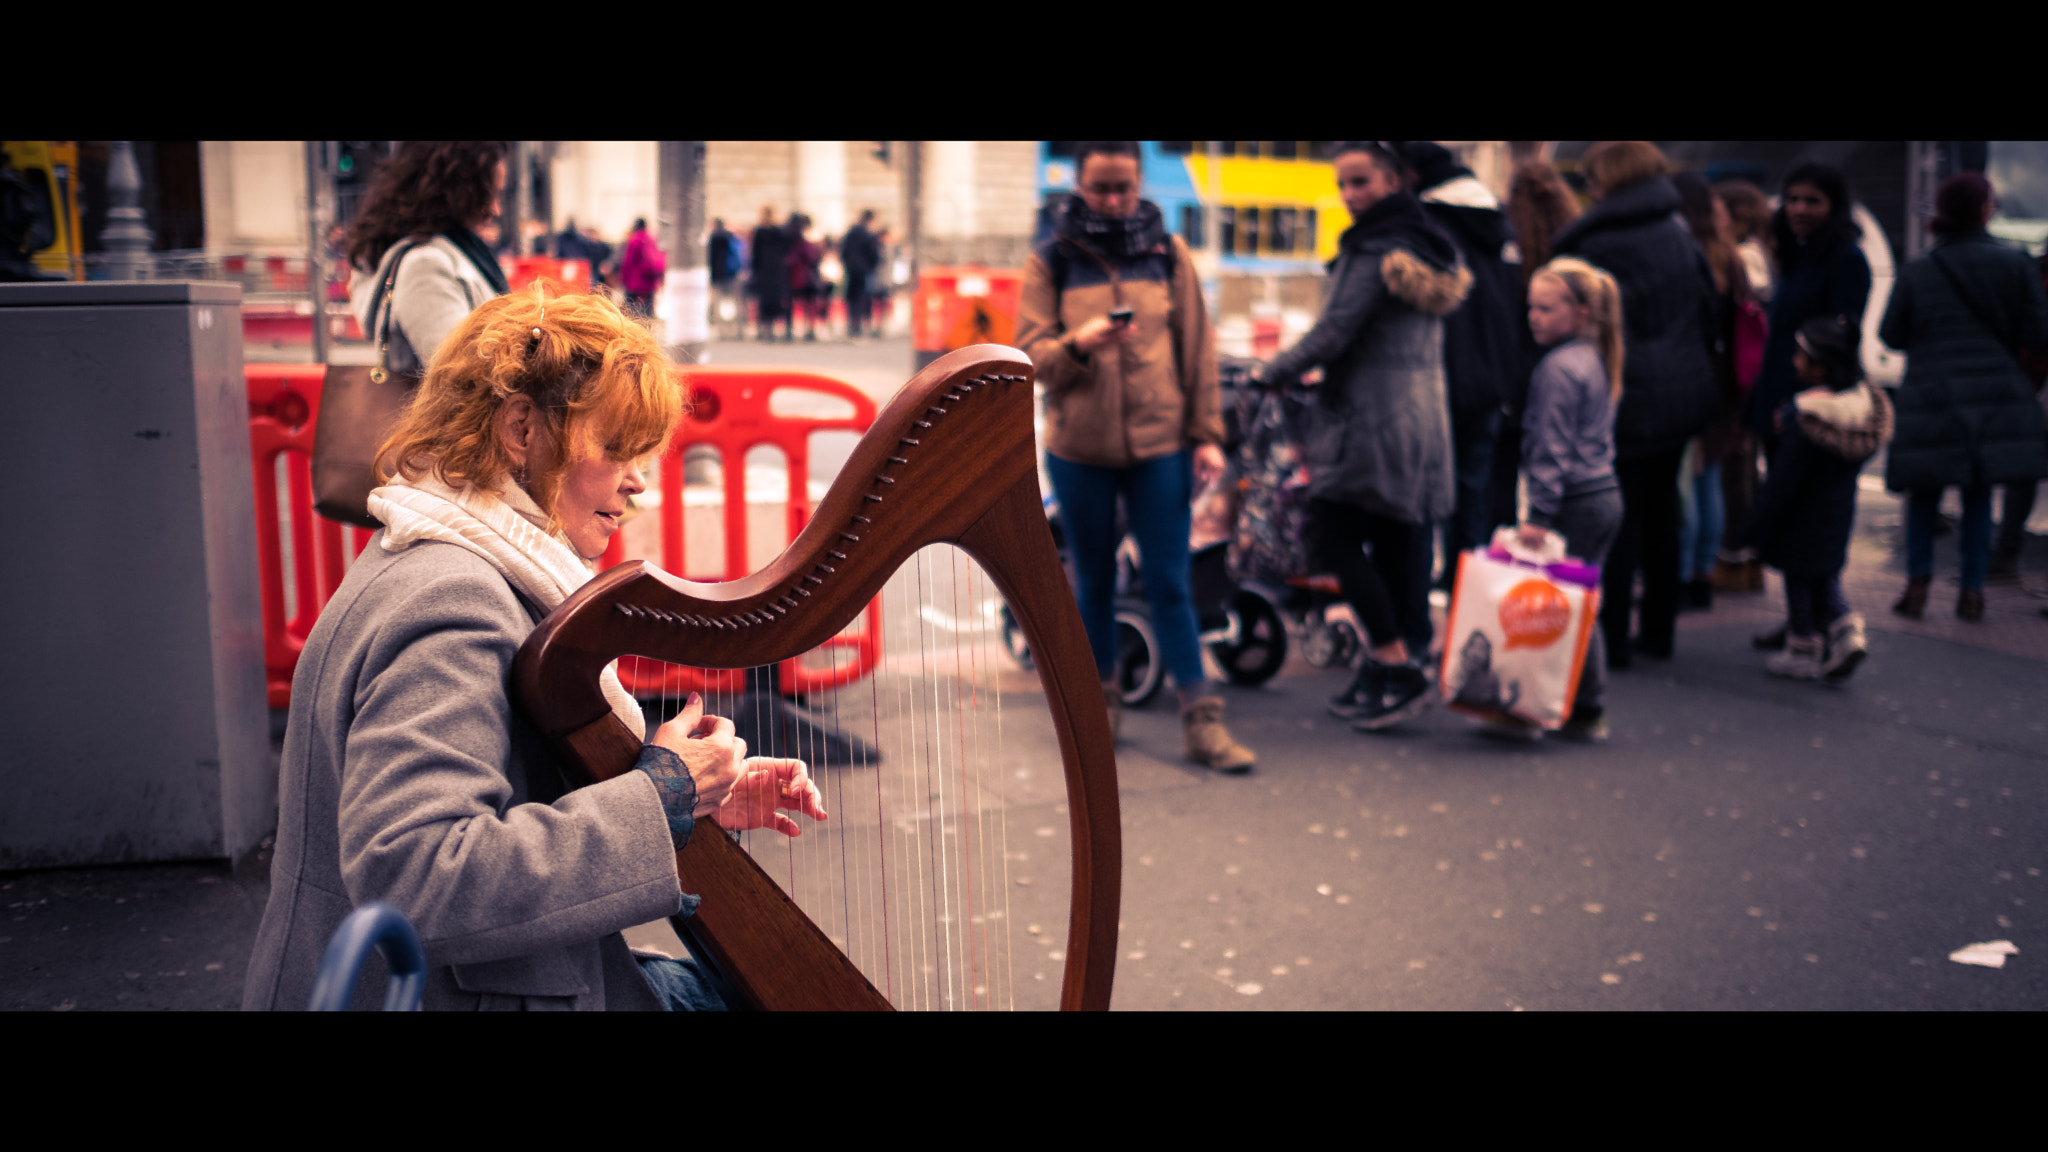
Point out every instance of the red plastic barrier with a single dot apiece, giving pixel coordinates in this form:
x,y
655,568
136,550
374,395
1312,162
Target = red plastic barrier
x,y
730,412
572,276
284,401
955,307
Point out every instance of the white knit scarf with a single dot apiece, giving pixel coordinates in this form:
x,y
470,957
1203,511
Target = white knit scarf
x,y
508,529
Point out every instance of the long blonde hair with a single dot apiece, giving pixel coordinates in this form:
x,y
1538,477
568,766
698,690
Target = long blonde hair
x,y
1596,289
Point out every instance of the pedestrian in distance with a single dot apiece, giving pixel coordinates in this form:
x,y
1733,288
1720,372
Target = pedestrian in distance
x,y
408,776
860,254
769,250
427,208
1807,508
1699,542
1748,217
802,262
1822,273
1963,314
641,269
724,253
1667,292
1112,316
2018,504
1379,450
1482,342
1575,311
603,269
572,244
1540,204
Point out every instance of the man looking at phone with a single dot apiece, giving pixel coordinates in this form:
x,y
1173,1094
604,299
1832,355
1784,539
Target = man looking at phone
x,y
1112,315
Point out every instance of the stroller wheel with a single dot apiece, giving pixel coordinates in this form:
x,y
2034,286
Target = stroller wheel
x,y
1139,671
1261,646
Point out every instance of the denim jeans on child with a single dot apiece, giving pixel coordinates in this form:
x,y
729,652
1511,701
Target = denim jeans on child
x,y
1156,494
1814,603
1589,524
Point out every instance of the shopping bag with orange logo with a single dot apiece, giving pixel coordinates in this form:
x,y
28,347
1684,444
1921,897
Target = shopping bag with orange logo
x,y
1515,642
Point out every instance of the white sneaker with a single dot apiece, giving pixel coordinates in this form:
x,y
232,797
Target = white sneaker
x,y
1846,648
1799,661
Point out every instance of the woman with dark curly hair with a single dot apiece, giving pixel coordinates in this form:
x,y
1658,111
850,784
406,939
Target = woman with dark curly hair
x,y
423,210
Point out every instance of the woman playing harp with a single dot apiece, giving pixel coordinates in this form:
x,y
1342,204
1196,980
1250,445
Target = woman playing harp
x,y
409,777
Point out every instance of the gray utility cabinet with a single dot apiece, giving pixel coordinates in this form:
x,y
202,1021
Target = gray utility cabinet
x,y
133,724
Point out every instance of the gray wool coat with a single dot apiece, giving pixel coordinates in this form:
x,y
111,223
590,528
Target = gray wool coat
x,y
1381,437
1966,409
408,777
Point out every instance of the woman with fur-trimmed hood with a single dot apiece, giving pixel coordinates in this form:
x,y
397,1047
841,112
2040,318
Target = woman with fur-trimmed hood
x,y
1379,456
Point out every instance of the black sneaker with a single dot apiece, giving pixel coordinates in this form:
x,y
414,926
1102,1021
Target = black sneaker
x,y
1407,694
1364,693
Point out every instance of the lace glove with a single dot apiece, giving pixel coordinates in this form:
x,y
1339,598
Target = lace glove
x,y
678,794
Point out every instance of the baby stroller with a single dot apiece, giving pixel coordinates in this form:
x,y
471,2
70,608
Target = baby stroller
x,y
1267,427
1241,630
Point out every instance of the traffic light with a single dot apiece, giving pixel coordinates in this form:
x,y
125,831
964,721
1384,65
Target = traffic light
x,y
352,163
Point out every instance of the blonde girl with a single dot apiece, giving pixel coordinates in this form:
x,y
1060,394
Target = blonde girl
x,y
1568,439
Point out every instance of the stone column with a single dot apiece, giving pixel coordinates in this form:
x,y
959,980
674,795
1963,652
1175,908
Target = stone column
x,y
686,289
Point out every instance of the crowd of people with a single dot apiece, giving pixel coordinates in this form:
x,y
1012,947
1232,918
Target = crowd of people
x,y
1666,373
787,270
780,274
1671,372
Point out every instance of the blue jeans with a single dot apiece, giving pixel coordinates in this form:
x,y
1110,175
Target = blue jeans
x,y
1699,543
683,985
1923,511
1156,494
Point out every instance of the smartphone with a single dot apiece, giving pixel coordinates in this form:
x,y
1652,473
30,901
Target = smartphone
x,y
1120,317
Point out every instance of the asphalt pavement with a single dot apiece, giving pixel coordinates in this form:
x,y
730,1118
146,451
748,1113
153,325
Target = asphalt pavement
x,y
1741,843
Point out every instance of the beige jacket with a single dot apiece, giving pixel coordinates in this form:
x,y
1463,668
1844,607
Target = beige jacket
x,y
1150,397
408,777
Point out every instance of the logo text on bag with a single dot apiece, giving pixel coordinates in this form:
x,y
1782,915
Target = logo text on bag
x,y
1534,614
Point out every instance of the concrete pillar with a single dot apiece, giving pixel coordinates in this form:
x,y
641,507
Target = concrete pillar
x,y
686,287
949,193
821,183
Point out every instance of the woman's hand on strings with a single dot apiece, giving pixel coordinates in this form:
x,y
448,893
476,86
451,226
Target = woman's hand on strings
x,y
715,757
765,785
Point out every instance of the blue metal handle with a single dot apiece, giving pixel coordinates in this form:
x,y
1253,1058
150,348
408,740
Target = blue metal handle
x,y
386,928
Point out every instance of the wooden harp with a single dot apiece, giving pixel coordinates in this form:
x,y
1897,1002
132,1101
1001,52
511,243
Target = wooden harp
x,y
950,460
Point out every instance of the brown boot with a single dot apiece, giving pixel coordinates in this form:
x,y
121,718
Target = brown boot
x,y
1209,743
1913,603
1970,605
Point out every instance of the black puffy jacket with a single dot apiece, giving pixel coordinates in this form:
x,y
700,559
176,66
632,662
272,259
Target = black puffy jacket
x,y
1482,341
1667,310
1967,411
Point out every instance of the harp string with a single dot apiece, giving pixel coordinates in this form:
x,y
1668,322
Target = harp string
x,y
922,822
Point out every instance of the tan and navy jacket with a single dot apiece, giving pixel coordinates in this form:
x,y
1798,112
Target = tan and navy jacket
x,y
1150,397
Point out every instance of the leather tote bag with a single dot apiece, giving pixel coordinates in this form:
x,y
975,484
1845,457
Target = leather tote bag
x,y
359,404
